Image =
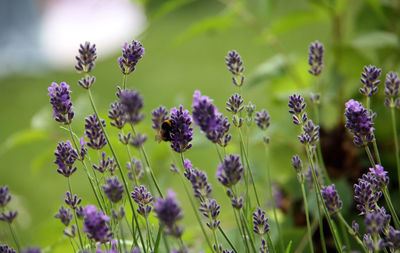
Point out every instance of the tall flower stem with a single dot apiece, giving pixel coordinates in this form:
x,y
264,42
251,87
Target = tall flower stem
x,y
14,236
320,200
76,220
376,151
119,166
391,208
345,236
248,166
272,199
193,205
247,230
310,242
130,161
227,239
86,169
396,142
358,240
146,158
370,157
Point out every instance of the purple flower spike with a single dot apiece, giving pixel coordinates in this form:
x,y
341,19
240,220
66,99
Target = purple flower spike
x,y
331,198
392,86
159,115
379,173
359,122
211,209
138,140
181,132
316,58
83,150
366,194
260,222
143,198
262,119
235,104
296,108
131,54
297,164
370,79
87,81
64,215
4,196
94,132
198,179
207,117
6,249
61,102
95,225
66,156
104,163
235,65
376,222
86,58
131,104
72,201
116,114
393,239
136,167
230,171
169,213
113,189
8,217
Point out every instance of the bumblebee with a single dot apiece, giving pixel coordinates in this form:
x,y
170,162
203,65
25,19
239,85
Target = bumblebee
x,y
164,134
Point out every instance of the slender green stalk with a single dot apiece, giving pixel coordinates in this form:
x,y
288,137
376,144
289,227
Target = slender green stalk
x,y
227,239
349,229
375,146
396,142
118,164
310,242
345,236
247,204
124,79
370,157
14,236
130,161
239,225
391,208
193,205
271,196
213,230
76,220
245,225
121,228
270,242
320,200
149,239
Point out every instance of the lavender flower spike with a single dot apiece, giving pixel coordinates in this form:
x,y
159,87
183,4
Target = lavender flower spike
x,y
6,249
9,218
64,215
86,58
316,58
235,65
66,156
230,171
392,86
113,189
331,198
94,132
262,119
370,79
296,108
116,114
211,209
132,103
359,122
131,54
4,196
61,102
143,198
260,222
159,115
95,225
169,213
181,132
198,179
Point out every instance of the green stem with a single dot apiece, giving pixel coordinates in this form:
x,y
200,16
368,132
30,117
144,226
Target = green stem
x,y
321,225
118,164
391,208
122,235
130,161
227,239
345,236
76,220
273,200
375,146
396,142
14,236
248,167
245,225
310,242
349,229
370,157
239,225
146,158
149,239
124,79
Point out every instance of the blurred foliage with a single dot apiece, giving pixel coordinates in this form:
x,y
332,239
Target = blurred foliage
x,y
185,43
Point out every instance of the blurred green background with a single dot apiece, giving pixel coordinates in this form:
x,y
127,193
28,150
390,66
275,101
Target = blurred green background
x,y
186,42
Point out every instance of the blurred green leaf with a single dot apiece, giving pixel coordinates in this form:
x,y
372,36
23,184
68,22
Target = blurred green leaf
x,y
289,247
375,40
23,137
269,69
377,8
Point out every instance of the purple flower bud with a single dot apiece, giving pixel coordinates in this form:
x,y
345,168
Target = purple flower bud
x,y
136,167
359,123
169,213
202,189
131,54
260,222
131,104
316,58
297,164
4,196
124,138
64,215
104,163
235,66
118,215
392,85
211,209
80,212
370,80
355,227
366,194
94,132
8,217
181,132
87,81
116,114
159,115
377,221
207,117
86,58
72,201
173,168
61,102
380,174
235,104
393,239
262,119
113,189
331,198
65,158
310,135
296,104
83,151
318,173
6,249
264,246
230,171
143,198
95,225
138,140
368,242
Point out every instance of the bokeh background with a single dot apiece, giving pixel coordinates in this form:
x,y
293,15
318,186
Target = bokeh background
x,y
186,42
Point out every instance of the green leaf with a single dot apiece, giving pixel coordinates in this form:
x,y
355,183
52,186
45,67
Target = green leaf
x,y
269,69
289,247
375,40
22,138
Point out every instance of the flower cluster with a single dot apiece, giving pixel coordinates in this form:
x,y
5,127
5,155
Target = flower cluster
x,y
94,132
116,114
66,156
169,213
131,104
95,225
392,86
235,66
331,198
143,198
159,115
114,190
260,222
61,102
131,54
85,59
181,132
202,189
104,163
316,58
230,171
359,122
210,210
370,79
